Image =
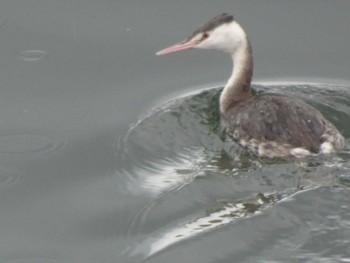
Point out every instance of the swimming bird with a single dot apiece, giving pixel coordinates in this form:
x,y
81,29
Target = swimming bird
x,y
265,125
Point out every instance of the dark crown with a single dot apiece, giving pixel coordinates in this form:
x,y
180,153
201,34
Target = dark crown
x,y
213,23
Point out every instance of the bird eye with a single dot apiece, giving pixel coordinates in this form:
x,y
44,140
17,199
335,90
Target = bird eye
x,y
205,35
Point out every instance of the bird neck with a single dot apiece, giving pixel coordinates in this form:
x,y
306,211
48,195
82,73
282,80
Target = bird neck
x,y
237,88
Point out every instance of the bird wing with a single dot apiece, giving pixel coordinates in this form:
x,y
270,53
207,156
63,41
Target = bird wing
x,y
279,119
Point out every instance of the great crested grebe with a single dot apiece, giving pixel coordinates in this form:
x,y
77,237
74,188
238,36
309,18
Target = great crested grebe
x,y
267,126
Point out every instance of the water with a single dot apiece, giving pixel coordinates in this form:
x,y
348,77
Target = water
x,y
199,184
109,153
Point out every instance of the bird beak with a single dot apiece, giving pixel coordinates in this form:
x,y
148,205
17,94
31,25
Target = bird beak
x,y
178,47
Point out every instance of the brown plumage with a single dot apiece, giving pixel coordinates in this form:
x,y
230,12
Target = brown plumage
x,y
272,126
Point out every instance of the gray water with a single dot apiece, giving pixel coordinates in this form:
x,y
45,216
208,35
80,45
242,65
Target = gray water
x,y
111,154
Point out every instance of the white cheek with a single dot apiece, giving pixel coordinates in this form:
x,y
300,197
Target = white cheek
x,y
227,38
219,41
206,44
213,42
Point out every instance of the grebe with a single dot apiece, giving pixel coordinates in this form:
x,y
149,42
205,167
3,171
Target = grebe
x,y
267,126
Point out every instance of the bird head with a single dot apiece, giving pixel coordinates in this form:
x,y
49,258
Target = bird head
x,y
220,33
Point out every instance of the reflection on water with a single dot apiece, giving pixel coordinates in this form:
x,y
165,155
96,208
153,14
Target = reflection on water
x,y
199,181
224,212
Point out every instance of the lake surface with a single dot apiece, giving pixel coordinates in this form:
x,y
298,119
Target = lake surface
x,y
109,153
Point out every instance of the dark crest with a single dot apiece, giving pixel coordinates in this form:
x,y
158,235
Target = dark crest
x,y
213,23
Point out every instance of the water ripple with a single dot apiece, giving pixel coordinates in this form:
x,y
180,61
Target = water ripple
x,y
32,55
225,212
30,143
8,177
33,259
182,141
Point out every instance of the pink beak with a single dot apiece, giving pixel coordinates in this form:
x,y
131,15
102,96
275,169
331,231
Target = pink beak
x,y
177,48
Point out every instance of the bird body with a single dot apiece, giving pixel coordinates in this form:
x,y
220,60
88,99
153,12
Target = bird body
x,y
274,126
267,126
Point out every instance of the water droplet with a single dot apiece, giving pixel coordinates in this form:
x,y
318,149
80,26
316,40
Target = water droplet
x,y
30,143
32,55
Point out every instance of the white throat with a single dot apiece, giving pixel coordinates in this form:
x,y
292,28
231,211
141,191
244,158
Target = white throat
x,y
238,85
